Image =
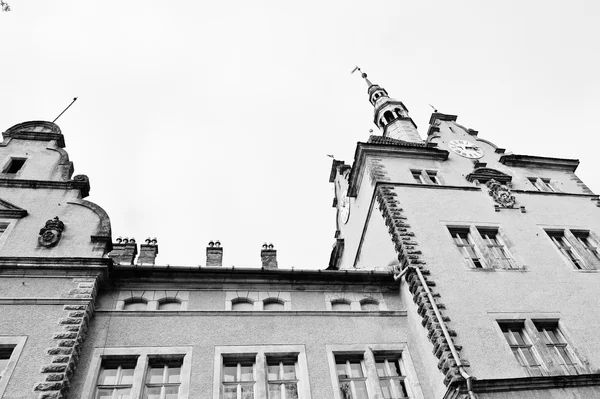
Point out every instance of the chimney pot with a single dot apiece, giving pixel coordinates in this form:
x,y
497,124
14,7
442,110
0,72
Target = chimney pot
x,y
124,251
148,252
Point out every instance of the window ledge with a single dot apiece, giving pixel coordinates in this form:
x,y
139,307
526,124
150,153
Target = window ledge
x,y
529,383
551,193
487,270
586,271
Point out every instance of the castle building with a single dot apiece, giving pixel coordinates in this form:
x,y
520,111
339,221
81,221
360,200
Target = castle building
x,y
457,271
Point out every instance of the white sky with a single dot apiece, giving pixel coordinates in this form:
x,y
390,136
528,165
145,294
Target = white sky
x,y
201,120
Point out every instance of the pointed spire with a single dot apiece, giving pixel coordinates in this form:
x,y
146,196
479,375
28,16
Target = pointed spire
x,y
363,75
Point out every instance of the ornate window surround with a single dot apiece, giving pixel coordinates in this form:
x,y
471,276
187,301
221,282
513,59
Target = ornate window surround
x,y
153,297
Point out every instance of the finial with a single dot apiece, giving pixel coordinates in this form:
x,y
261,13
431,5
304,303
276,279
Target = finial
x,y
364,75
434,110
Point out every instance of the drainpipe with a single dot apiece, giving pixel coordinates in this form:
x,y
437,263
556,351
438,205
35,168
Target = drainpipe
x,y
461,367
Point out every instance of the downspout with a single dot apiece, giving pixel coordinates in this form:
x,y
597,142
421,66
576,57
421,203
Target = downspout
x,y
461,367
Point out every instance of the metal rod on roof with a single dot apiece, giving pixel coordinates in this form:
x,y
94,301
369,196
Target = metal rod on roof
x,y
65,110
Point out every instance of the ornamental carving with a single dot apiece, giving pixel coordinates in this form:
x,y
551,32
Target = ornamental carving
x,y
501,194
50,234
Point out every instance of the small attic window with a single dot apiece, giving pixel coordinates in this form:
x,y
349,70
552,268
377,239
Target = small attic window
x,y
14,165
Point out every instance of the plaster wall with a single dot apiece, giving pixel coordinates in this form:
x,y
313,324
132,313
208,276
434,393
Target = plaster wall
x,y
41,163
376,251
562,393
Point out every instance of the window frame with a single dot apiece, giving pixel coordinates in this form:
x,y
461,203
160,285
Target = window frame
x,y
574,252
260,354
143,356
543,326
369,353
17,343
7,165
518,350
474,263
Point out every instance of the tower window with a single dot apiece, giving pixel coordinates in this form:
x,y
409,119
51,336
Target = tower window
x,y
416,174
463,241
432,174
521,346
14,165
543,184
389,117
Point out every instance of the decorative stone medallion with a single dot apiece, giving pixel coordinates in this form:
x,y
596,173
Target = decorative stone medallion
x,y
501,194
50,234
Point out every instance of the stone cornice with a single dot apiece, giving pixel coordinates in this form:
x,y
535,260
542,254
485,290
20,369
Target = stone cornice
x,y
21,131
388,150
43,301
530,161
79,183
72,267
252,313
526,384
554,193
442,117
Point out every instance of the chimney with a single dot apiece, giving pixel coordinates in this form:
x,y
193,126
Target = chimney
x,y
124,251
148,252
214,254
268,256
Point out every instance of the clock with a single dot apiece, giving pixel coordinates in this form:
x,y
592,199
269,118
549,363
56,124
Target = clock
x,y
344,208
466,149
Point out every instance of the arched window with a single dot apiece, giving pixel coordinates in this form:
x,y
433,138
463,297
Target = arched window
x,y
242,304
388,116
340,305
169,304
135,304
273,304
369,304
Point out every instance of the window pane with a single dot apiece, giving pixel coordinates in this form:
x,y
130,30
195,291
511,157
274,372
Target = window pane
x,y
380,366
291,390
127,376
152,393
565,355
123,393
553,337
386,388
104,394
229,373
169,306
273,372
340,306
274,391
289,372
356,370
518,337
529,356
242,306
171,392
341,370
108,377
361,390
247,374
346,390
400,388
248,391
230,392
174,374
369,306
155,375
135,306
273,306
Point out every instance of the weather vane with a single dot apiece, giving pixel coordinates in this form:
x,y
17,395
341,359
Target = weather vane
x,y
65,110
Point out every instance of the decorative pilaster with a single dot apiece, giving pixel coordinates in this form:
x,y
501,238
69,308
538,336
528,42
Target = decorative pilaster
x,y
58,373
409,254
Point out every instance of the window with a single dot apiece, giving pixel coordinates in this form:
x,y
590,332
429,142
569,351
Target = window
x,y
416,174
557,345
521,346
432,176
543,184
368,371
351,377
282,378
496,247
273,304
116,379
242,304
465,245
391,378
139,373
14,165
565,247
169,304
3,227
369,304
340,305
5,355
261,372
136,304
163,379
591,247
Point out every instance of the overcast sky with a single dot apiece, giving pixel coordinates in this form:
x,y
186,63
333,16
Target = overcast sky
x,y
201,120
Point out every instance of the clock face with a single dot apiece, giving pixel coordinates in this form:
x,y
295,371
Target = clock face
x,y
466,149
344,207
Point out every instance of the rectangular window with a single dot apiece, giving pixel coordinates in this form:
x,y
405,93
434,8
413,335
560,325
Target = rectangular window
x,y
163,379
558,238
557,345
416,174
465,245
351,377
432,175
3,227
391,378
543,184
14,165
238,378
496,247
521,346
583,237
548,184
282,376
115,379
